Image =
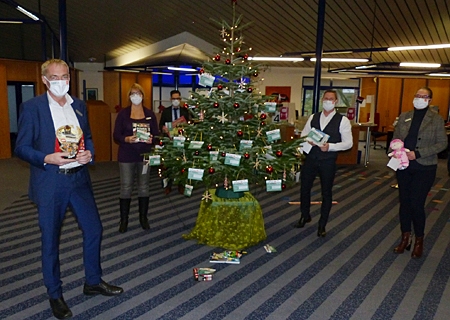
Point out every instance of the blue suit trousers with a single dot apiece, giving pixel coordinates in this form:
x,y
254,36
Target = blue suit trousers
x,y
75,192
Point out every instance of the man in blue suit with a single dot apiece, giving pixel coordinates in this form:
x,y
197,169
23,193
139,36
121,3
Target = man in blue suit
x,y
55,138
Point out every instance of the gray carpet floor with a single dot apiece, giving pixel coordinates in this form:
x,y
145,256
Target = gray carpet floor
x,y
350,274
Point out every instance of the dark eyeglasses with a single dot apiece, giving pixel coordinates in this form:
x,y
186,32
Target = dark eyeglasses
x,y
420,96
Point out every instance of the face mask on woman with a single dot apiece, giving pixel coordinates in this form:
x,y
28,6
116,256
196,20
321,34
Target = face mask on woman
x,y
327,105
136,99
420,103
58,87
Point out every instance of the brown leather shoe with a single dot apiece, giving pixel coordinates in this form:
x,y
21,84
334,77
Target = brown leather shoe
x,y
418,248
405,243
60,309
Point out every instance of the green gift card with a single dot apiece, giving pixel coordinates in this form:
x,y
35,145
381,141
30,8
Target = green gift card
x,y
232,159
155,160
196,144
179,141
195,174
188,190
240,185
273,135
270,107
245,144
273,185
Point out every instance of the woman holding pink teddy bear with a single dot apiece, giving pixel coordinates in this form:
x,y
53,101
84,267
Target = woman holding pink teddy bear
x,y
423,133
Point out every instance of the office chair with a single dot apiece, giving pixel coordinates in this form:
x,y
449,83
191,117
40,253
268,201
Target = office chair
x,y
376,133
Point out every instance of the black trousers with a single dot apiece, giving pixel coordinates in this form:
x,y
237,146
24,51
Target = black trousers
x,y
413,186
326,169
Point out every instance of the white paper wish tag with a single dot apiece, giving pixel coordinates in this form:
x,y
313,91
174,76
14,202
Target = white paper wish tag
x,y
273,185
245,144
232,159
196,145
154,160
195,174
273,135
394,163
240,185
188,190
213,155
206,80
179,141
270,107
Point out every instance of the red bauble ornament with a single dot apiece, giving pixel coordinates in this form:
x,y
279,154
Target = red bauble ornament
x,y
283,186
263,116
185,105
236,105
240,133
161,143
180,131
247,155
201,71
279,153
219,87
217,57
228,61
211,170
209,147
223,154
263,124
183,170
249,90
216,105
255,74
245,56
269,169
197,152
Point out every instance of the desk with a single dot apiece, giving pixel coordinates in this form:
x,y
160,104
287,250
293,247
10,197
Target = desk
x,y
232,224
367,125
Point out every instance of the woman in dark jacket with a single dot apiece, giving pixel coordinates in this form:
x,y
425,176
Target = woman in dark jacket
x,y
423,133
134,131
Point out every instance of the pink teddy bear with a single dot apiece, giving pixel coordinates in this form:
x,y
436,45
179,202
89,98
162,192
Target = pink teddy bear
x,y
399,152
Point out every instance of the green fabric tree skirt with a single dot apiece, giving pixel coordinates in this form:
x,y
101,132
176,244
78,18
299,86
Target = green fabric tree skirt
x,y
232,224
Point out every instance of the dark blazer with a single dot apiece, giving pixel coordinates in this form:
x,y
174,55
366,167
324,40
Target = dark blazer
x,y
166,116
36,139
432,138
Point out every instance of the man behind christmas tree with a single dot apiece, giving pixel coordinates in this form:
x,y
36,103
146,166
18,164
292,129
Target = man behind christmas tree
x,y
321,157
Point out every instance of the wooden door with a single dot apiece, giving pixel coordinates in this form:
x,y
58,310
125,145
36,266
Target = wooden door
x,y
388,101
441,95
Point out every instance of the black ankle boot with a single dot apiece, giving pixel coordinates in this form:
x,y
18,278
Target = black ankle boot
x,y
143,209
124,212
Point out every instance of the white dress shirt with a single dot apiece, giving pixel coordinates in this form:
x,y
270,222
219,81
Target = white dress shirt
x,y
63,115
345,129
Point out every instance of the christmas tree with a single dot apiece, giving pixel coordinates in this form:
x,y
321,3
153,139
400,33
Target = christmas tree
x,y
231,142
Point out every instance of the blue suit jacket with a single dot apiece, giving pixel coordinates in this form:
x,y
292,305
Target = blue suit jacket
x,y
36,139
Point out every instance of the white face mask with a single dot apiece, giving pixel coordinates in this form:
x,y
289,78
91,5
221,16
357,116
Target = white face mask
x,y
175,102
136,99
327,105
58,87
420,103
